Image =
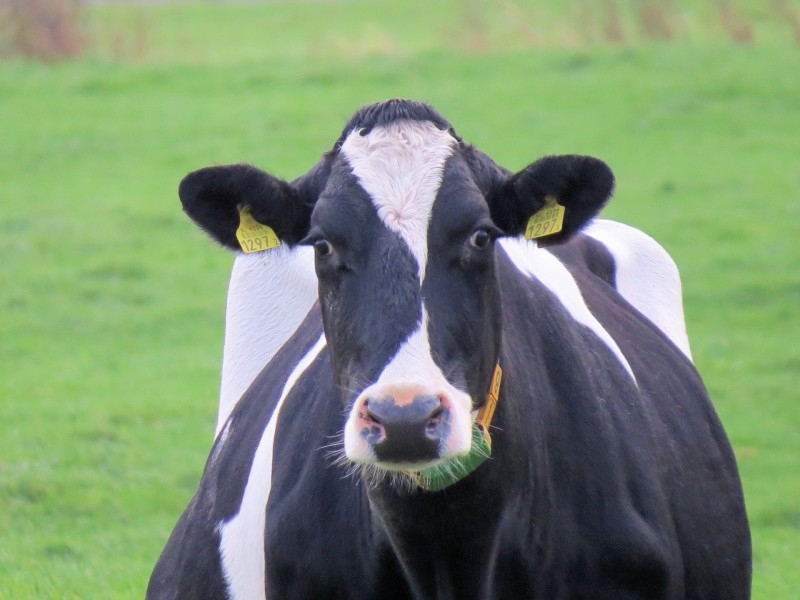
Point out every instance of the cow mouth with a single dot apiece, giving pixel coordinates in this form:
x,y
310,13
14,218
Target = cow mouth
x,y
428,476
453,469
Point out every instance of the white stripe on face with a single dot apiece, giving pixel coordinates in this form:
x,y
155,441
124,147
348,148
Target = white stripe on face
x,y
414,366
400,166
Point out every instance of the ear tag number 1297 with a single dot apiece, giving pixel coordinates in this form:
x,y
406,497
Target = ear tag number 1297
x,y
254,236
548,220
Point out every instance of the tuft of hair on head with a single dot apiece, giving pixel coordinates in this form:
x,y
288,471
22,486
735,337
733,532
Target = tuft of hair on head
x,y
383,113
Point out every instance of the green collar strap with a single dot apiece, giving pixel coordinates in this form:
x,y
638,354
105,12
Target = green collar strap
x,y
455,469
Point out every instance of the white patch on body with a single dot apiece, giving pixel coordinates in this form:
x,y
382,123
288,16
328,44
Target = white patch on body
x,y
400,166
269,295
541,264
646,276
413,365
242,536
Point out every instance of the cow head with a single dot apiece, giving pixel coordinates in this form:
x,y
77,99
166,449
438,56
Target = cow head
x,y
403,217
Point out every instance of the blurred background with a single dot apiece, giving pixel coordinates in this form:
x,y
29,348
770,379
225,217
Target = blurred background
x,y
112,303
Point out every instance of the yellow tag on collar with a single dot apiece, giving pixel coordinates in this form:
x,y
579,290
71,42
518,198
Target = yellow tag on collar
x,y
457,468
254,236
486,413
546,221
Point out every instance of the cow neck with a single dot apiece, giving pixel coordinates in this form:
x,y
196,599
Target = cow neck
x,y
454,470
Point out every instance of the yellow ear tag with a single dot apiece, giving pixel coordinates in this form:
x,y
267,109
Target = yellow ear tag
x,y
254,236
546,221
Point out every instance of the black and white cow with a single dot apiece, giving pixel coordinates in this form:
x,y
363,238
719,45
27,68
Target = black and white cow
x,y
462,414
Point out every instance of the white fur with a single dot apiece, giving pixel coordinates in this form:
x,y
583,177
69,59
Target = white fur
x,y
646,276
269,295
242,537
400,166
536,262
413,365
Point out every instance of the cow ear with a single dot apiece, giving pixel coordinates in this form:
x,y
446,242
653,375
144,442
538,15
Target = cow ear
x,y
213,198
580,184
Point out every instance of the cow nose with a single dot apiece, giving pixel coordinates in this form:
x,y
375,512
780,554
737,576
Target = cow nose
x,y
409,432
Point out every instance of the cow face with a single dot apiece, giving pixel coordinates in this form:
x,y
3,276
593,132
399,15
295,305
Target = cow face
x,y
404,256
403,217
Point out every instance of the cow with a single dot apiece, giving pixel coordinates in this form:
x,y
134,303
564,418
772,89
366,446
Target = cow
x,y
461,412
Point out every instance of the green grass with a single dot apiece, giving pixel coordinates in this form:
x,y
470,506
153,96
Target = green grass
x,y
111,303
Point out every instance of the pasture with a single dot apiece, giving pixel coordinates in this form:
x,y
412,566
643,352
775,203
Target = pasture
x,y
113,303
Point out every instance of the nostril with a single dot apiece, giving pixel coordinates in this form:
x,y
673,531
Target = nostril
x,y
372,429
368,415
371,418
434,423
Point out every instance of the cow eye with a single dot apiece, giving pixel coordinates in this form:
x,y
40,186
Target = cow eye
x,y
480,239
323,247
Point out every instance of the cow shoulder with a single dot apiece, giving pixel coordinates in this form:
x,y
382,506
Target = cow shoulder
x,y
269,295
646,276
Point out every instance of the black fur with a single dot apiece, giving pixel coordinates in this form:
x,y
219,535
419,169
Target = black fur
x,y
389,111
212,197
581,184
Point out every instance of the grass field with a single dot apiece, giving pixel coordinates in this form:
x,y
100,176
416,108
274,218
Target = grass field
x,y
112,303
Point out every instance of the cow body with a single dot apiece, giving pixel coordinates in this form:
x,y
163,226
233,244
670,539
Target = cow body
x,y
610,475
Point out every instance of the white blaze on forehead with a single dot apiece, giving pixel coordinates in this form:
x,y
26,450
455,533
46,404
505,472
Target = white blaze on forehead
x,y
400,166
